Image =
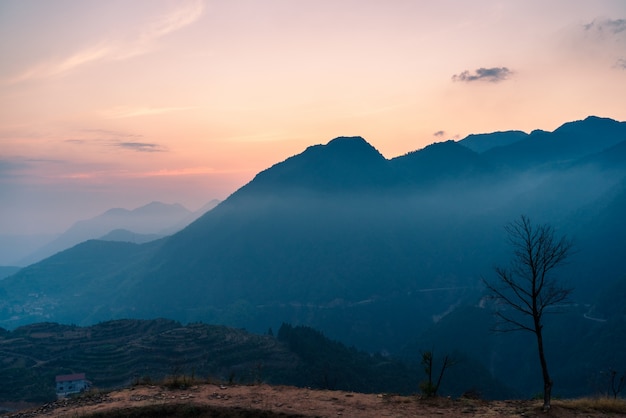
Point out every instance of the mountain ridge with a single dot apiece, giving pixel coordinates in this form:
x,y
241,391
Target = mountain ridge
x,y
156,219
373,252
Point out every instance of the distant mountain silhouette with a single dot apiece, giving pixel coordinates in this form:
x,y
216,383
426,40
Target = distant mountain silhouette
x,y
125,235
190,218
156,219
368,250
568,143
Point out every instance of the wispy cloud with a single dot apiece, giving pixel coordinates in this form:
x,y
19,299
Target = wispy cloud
x,y
102,136
603,41
140,146
117,139
52,69
439,133
140,43
611,26
493,75
131,112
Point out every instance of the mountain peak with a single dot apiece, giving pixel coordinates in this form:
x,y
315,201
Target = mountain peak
x,y
585,126
347,141
345,146
344,163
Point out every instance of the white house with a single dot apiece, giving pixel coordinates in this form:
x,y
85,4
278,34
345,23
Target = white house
x,y
67,384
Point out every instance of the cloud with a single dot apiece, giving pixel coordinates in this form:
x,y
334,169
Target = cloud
x,y
612,26
140,146
621,63
494,75
439,133
140,43
52,69
117,139
102,136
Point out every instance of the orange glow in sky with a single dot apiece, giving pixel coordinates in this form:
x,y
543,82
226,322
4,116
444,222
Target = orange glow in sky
x,y
116,103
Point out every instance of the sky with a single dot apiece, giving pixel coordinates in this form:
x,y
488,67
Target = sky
x,y
116,104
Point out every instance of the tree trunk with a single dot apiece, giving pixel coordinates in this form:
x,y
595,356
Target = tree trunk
x,y
547,382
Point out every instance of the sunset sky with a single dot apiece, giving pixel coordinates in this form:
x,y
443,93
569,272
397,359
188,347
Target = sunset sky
x,y
118,103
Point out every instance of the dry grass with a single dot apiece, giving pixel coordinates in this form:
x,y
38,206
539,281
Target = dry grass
x,y
169,399
600,404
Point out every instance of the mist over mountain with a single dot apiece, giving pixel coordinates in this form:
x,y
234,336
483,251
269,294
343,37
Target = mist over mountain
x,y
373,252
152,221
15,247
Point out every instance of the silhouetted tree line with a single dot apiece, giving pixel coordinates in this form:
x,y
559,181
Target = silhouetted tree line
x,y
328,364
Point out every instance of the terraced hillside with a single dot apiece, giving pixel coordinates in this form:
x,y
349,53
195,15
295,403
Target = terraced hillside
x,y
116,353
122,352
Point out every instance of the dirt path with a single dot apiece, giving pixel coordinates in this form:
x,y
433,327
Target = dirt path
x,y
283,401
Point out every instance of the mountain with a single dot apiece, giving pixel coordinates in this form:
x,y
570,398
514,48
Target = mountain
x,y
6,271
371,251
483,142
155,218
345,163
189,218
440,162
570,142
125,235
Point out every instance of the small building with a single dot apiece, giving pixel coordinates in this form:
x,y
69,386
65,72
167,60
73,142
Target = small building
x,y
68,384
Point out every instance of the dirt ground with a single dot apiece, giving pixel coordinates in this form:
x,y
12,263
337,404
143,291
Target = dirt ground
x,y
283,401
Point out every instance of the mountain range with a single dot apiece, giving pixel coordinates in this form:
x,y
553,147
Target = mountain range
x,y
373,251
146,223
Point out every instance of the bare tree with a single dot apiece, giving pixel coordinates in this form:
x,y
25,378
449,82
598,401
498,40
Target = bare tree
x,y
430,388
527,288
616,385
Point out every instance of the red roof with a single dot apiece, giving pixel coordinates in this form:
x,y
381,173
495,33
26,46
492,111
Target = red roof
x,y
70,377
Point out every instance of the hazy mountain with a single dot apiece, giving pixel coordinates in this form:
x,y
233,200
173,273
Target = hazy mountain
x,y
14,247
125,235
369,250
154,218
190,218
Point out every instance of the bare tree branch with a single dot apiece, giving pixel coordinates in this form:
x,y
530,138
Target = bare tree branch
x,y
528,287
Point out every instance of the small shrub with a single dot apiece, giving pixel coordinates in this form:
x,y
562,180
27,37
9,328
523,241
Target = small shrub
x,y
471,394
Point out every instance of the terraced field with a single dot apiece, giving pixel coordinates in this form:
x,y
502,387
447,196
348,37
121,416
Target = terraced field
x,y
119,353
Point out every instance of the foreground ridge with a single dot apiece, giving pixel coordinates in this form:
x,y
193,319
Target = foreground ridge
x,y
210,400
